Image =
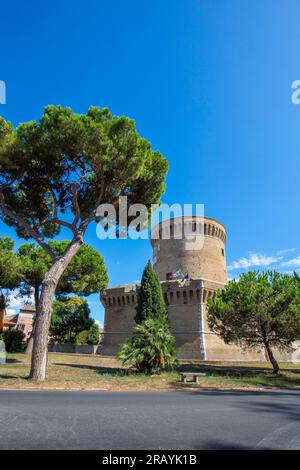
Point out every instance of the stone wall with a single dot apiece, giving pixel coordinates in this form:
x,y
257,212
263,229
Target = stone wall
x,y
186,306
119,303
68,348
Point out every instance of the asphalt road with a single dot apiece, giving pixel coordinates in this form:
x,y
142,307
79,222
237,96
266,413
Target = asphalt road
x,y
169,420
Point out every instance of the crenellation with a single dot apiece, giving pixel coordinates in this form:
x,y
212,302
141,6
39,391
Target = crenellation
x,y
119,296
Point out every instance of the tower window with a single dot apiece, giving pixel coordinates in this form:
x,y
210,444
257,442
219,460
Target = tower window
x,y
222,251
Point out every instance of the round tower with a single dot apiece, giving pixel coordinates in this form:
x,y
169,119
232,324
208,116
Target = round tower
x,y
190,245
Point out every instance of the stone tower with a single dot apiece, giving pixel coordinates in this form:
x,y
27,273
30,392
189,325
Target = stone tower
x,y
189,258
193,245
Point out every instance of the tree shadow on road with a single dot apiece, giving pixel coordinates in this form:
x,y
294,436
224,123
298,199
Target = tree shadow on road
x,y
215,444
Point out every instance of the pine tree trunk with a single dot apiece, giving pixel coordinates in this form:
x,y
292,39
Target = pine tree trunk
x,y
29,347
43,319
272,358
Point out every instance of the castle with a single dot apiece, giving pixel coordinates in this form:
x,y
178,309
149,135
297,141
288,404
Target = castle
x,y
205,268
194,249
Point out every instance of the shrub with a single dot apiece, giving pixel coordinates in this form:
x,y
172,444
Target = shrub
x,y
14,341
151,348
93,335
90,336
82,337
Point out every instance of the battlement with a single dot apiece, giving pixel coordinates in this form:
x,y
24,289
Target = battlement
x,y
123,289
179,227
192,291
195,291
119,295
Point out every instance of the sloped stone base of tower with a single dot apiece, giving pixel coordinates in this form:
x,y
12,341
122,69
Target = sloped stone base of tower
x,y
217,350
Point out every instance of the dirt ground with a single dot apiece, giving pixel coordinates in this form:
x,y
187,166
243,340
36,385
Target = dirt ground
x,y
85,372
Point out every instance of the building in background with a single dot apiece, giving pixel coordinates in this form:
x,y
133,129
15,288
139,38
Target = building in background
x,y
22,321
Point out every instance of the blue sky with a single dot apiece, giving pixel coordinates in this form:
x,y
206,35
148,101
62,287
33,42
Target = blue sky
x,y
207,82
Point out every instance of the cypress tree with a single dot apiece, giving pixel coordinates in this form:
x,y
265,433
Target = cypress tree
x,y
152,346
150,301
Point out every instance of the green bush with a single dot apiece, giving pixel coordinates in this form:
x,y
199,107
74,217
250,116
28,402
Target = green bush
x,y
82,337
151,348
93,335
90,336
14,341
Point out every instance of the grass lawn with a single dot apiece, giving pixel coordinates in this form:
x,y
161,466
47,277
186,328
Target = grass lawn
x,y
84,372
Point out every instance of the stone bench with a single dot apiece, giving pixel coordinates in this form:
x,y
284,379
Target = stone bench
x,y
191,377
